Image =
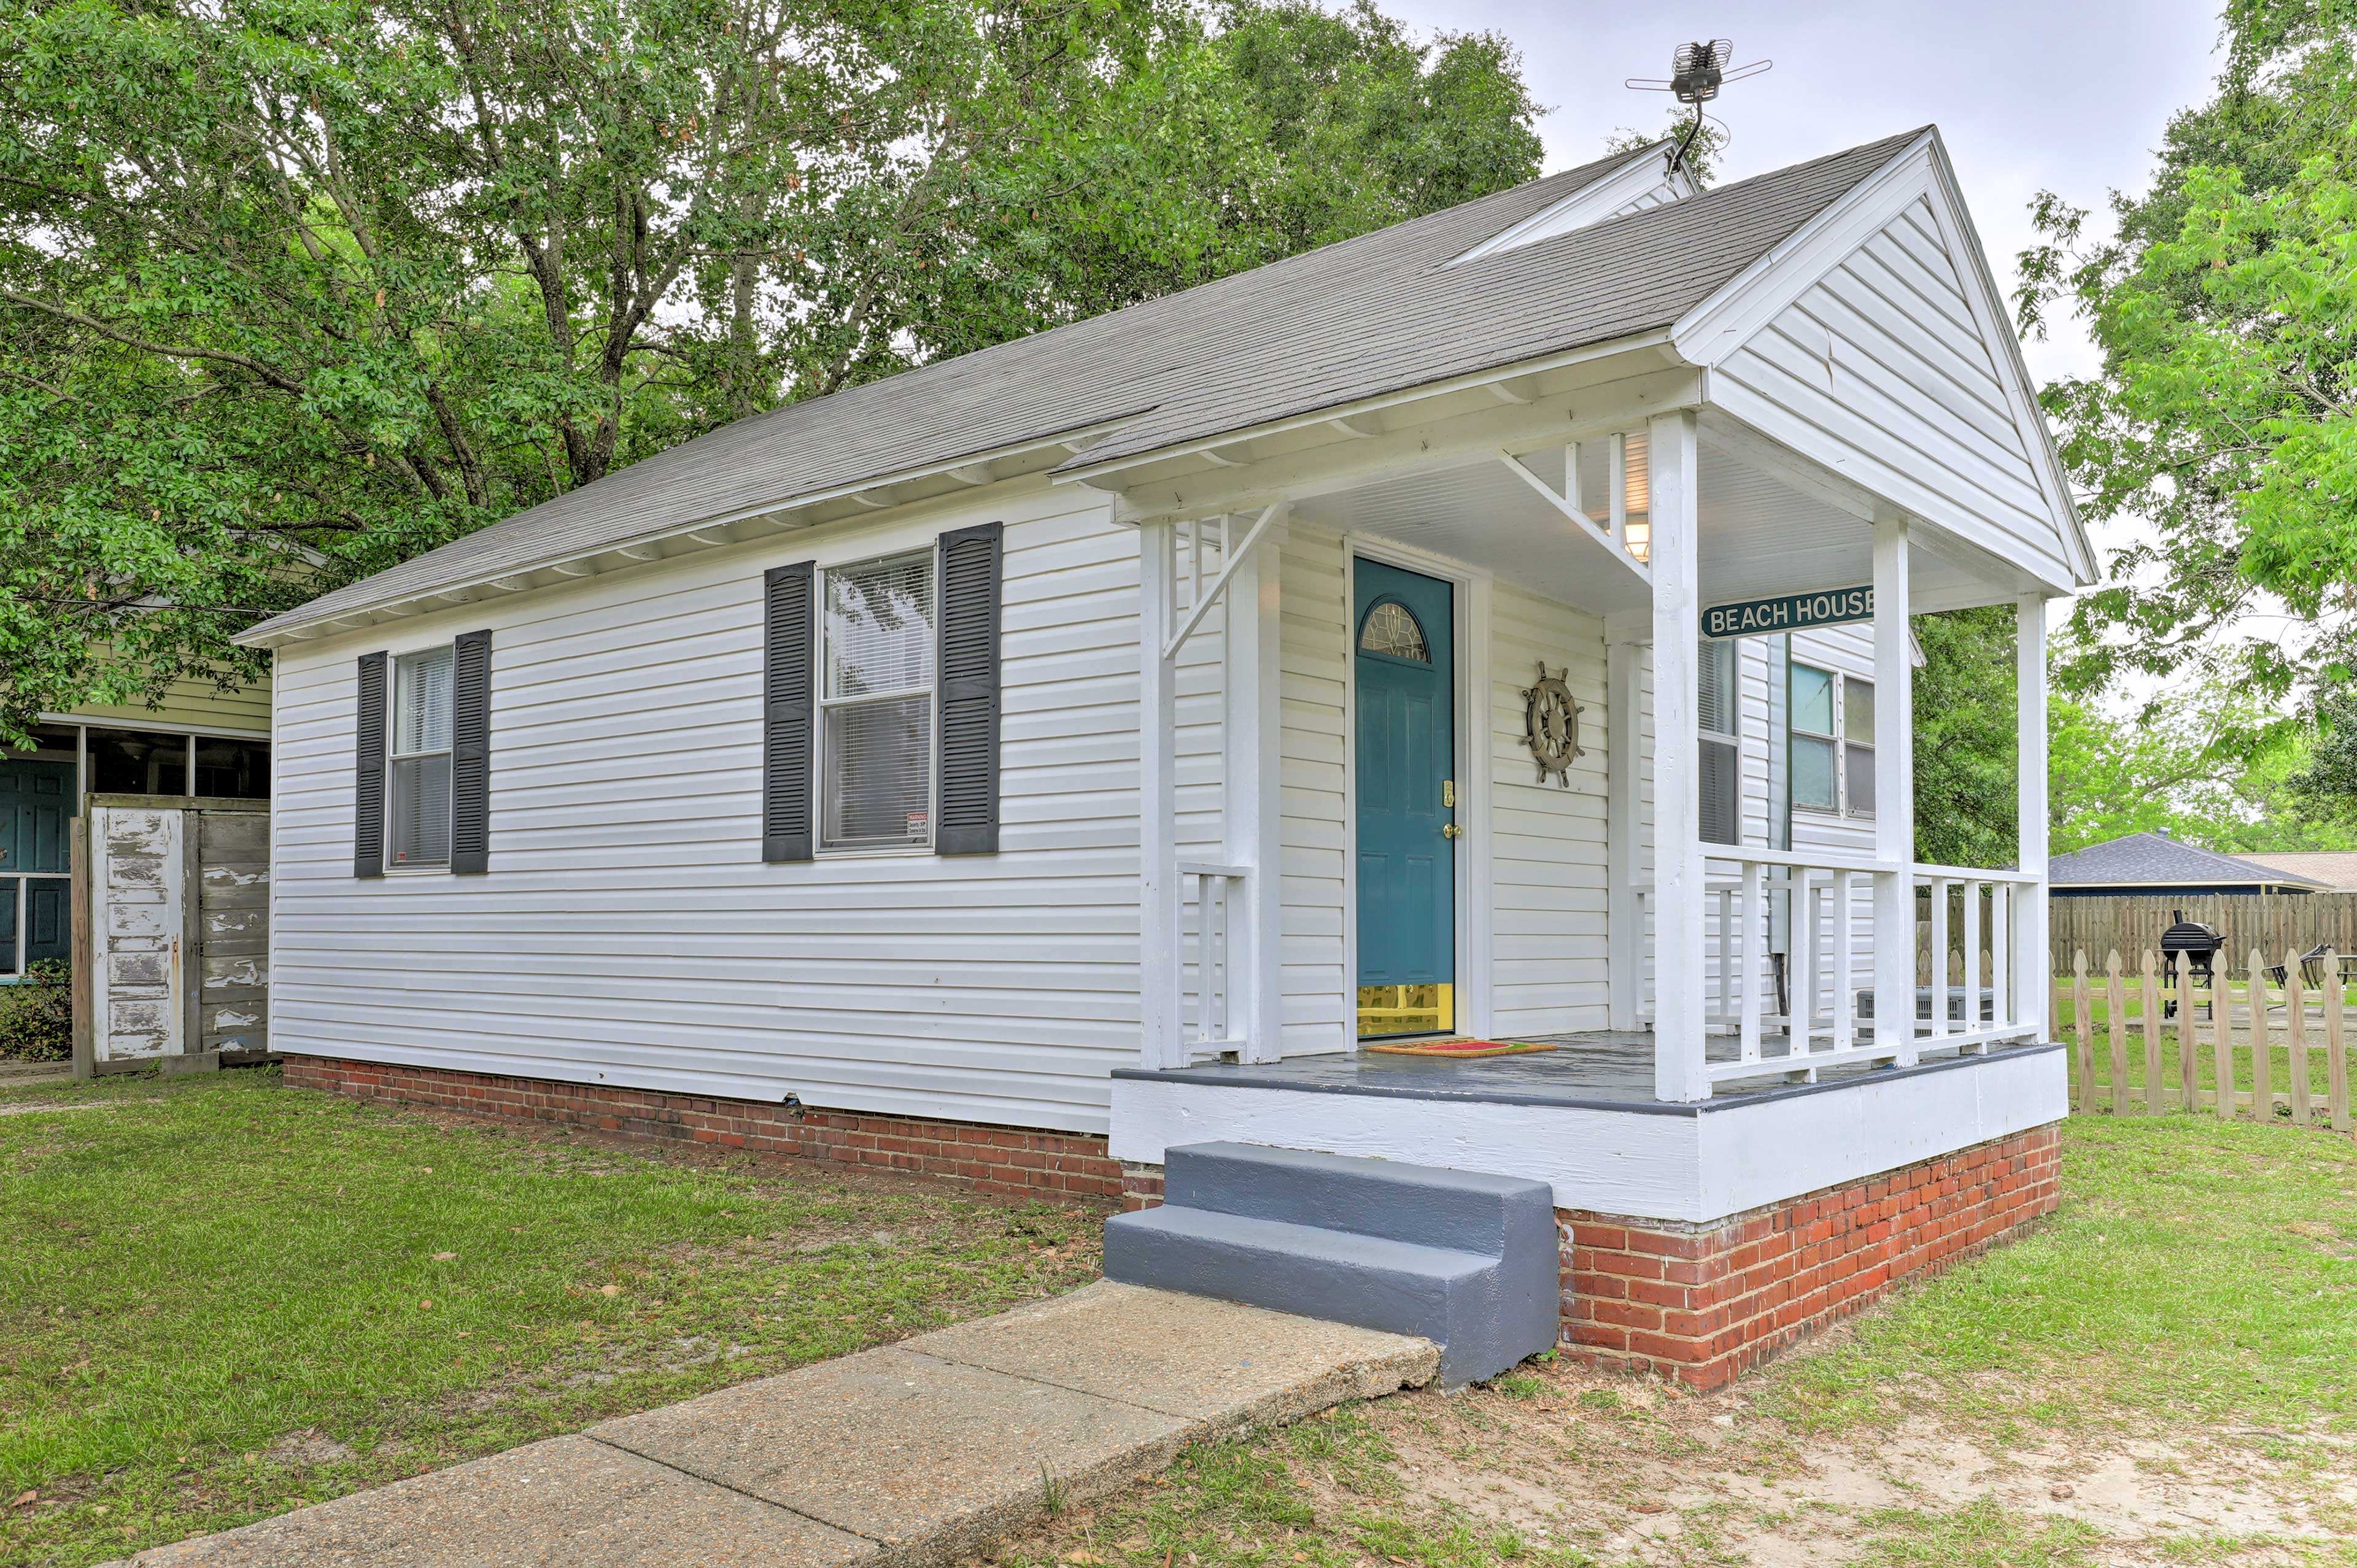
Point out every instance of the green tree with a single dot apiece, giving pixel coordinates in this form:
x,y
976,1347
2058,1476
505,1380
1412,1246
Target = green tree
x,y
1964,741
1702,153
2222,427
2186,768
292,290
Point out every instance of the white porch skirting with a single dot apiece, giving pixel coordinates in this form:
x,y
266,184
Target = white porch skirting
x,y
1654,1160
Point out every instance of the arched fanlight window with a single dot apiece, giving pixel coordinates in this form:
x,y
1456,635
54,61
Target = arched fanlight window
x,y
1390,629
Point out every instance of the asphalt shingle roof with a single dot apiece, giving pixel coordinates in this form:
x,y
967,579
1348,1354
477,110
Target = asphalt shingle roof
x,y
1377,313
2335,868
2158,860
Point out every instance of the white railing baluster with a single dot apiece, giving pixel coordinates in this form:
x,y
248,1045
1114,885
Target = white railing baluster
x,y
1846,962
1802,981
1207,1005
1755,956
1724,970
1971,957
2000,951
1939,966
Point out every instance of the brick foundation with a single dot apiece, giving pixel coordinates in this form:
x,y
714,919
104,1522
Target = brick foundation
x,y
1008,1162
1701,1303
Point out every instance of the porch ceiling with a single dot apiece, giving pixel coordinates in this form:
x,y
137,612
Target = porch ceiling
x,y
1484,516
1763,534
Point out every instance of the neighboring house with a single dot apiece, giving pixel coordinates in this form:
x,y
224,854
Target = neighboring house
x,y
200,741
1037,760
2335,869
2160,866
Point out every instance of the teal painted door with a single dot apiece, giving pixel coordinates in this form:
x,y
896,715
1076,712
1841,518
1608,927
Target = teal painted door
x,y
37,798
1405,727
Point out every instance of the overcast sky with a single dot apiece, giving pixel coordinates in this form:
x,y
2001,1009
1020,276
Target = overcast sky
x,y
2068,95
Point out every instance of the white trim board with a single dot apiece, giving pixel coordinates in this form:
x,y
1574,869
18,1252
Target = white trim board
x,y
1713,332
1688,1164
1614,194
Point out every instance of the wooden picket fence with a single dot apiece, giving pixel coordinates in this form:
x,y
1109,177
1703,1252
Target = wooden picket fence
x,y
2145,1040
2268,921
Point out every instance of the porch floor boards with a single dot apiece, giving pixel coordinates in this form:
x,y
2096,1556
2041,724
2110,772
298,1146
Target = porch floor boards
x,y
1602,1069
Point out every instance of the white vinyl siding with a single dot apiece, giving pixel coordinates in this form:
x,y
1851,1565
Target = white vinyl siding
x,y
1315,599
1880,367
633,935
1547,843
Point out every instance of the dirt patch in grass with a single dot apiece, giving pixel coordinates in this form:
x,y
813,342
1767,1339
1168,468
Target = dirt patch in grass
x,y
1557,1465
225,1299
2162,1374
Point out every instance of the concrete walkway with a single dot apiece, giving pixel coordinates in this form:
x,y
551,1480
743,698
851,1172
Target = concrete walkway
x,y
916,1454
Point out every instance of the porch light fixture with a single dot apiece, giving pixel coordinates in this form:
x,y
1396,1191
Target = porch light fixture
x,y
1599,483
1637,495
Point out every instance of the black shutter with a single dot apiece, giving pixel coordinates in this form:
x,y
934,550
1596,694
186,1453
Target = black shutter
x,y
470,754
787,711
368,770
968,752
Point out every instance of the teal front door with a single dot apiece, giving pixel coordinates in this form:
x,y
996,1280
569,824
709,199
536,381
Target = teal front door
x,y
1407,725
37,798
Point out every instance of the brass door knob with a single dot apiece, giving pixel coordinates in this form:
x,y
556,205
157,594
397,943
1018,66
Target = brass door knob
x,y
1451,831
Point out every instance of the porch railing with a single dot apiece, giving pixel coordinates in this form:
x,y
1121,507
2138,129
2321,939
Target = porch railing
x,y
1210,1016
1788,962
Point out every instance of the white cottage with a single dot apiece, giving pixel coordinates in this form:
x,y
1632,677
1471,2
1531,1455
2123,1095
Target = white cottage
x,y
1493,628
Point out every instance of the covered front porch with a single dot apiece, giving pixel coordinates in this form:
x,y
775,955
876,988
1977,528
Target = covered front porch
x,y
1655,904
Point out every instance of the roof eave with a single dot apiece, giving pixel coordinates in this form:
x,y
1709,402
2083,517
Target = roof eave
x,y
1221,447
864,497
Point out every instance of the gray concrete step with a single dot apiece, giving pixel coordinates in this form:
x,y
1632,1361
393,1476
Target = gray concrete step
x,y
1432,1206
1465,1259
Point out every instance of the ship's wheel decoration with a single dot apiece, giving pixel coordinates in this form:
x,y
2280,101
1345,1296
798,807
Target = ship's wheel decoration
x,y
1551,725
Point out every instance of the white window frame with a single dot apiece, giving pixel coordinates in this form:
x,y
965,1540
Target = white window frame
x,y
394,754
1729,654
1839,683
931,690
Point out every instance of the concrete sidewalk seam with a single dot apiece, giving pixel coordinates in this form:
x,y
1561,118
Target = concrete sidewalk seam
x,y
724,1486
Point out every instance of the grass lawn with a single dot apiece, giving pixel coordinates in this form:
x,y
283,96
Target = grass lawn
x,y
2165,1372
220,1299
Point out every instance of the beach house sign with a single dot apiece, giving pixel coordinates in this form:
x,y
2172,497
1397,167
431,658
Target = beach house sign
x,y
1788,612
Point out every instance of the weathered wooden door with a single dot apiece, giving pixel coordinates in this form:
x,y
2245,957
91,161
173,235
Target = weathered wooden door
x,y
1405,754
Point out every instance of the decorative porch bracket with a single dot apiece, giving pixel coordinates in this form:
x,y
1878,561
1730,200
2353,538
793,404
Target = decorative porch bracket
x,y
1200,598
1613,533
1213,983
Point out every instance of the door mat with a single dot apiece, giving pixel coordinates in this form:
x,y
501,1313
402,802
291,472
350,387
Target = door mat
x,y
1462,1049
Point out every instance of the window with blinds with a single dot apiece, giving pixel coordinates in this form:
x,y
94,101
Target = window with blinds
x,y
418,779
877,637
1831,740
1718,712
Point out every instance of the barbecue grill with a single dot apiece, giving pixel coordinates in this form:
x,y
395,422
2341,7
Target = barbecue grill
x,y
2193,943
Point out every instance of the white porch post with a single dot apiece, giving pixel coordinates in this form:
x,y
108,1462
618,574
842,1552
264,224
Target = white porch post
x,y
1253,816
1624,919
2032,964
1679,1070
1158,913
1894,797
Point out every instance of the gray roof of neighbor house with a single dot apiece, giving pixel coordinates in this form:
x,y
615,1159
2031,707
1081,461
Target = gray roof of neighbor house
x,y
2159,860
1378,314
2336,868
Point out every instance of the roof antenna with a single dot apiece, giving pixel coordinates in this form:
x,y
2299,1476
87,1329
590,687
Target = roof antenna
x,y
1698,70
